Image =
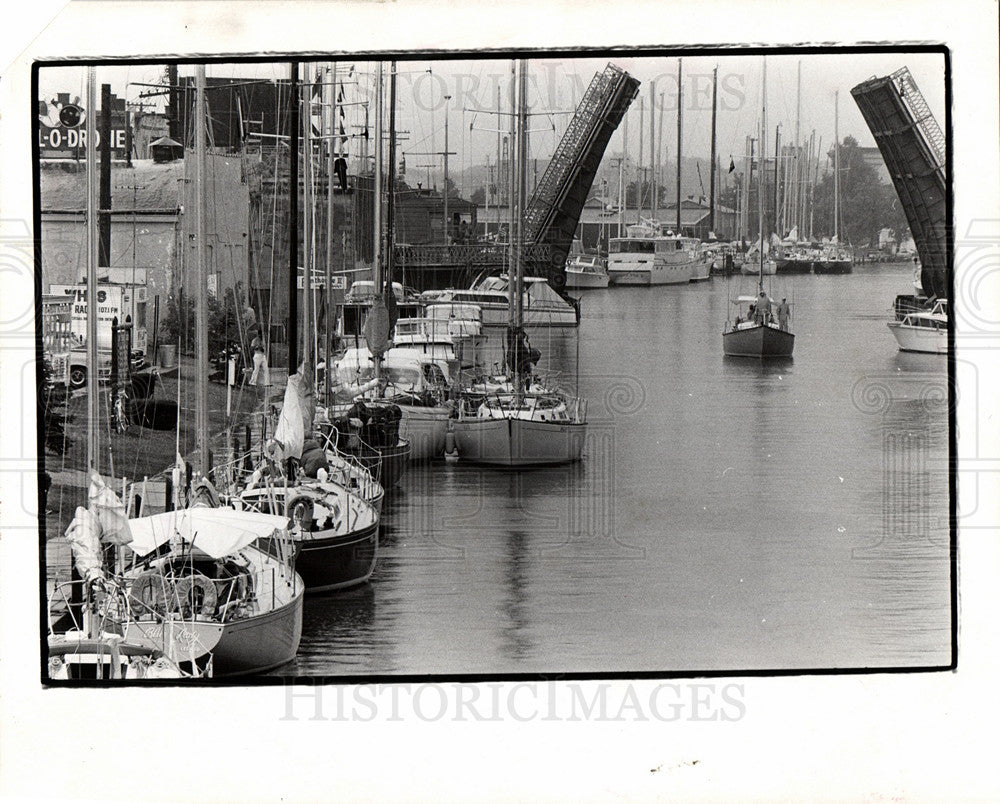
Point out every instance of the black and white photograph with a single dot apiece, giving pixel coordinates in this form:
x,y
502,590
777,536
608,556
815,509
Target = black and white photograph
x,y
455,376
566,363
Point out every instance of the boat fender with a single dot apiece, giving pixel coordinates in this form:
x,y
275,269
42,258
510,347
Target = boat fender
x,y
197,593
148,593
300,510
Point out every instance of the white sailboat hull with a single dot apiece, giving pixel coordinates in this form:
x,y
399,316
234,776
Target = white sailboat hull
x,y
425,429
519,442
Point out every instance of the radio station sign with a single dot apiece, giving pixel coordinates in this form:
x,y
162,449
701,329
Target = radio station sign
x,y
113,301
62,128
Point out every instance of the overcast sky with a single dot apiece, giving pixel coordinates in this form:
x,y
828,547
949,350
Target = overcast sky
x,y
557,84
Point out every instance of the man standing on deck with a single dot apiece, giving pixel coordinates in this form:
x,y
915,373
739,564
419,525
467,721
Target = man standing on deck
x,y
763,311
783,312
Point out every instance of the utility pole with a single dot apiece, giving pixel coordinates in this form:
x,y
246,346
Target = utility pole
x,y
104,212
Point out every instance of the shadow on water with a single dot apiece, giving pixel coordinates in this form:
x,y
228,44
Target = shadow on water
x,y
517,645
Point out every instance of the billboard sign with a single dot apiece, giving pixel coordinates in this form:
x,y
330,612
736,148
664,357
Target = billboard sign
x,y
62,130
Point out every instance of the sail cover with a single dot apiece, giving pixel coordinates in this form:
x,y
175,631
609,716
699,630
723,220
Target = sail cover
x,y
295,419
216,531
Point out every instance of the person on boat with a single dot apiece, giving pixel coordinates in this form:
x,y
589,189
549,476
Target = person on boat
x,y
752,313
763,308
783,312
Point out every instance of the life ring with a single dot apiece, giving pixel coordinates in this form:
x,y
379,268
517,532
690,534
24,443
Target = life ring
x,y
300,511
149,594
197,594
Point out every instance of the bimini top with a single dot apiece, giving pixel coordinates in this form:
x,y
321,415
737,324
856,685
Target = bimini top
x,y
217,532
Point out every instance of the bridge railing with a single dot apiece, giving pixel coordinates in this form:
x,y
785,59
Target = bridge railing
x,y
465,254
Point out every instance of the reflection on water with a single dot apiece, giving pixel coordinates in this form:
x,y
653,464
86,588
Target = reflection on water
x,y
729,514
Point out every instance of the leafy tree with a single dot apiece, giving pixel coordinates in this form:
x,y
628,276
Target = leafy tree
x,y
479,196
178,324
866,204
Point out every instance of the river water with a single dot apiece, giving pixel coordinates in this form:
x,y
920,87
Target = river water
x,y
728,514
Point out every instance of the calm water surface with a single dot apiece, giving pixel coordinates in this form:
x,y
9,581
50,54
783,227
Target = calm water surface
x,y
728,514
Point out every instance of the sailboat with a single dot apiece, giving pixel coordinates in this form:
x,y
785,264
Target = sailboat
x,y
760,327
515,424
209,566
377,444
193,586
834,257
334,528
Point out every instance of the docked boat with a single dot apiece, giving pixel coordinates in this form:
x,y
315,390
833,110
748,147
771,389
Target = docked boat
x,y
542,306
448,332
833,260
334,530
701,269
95,631
797,259
412,381
517,426
923,331
756,264
216,573
651,255
526,429
586,271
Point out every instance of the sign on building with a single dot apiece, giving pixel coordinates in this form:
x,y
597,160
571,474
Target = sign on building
x,y
113,301
57,140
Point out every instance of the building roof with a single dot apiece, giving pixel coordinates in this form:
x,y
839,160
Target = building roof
x,y
146,187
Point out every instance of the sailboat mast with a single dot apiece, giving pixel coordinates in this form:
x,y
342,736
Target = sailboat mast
x,y
93,392
307,222
624,173
797,188
711,174
378,256
680,106
775,221
511,200
390,202
640,169
654,200
330,116
522,190
762,173
836,167
201,284
292,335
